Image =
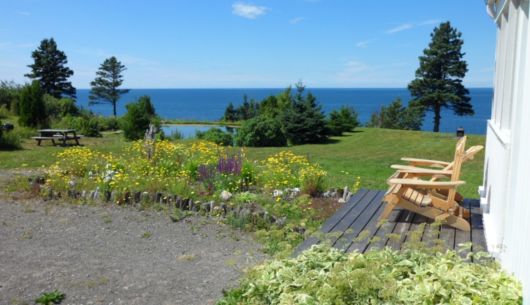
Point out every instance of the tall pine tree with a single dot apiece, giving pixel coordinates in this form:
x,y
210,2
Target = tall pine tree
x,y
50,69
438,82
105,87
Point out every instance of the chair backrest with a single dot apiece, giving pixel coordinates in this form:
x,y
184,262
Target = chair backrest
x,y
457,165
460,146
472,151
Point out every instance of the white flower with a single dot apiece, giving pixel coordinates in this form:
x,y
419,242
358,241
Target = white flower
x,y
225,195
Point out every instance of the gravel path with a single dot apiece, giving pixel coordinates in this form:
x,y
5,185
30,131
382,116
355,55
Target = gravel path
x,y
115,255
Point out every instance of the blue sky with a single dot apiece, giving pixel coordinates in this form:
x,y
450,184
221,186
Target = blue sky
x,y
262,43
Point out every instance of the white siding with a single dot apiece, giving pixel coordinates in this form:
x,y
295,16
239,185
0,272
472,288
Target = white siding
x,y
506,199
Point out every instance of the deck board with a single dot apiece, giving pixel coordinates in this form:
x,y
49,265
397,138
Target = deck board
x,y
359,223
355,227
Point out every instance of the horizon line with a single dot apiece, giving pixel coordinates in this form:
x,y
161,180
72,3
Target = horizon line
x,y
242,88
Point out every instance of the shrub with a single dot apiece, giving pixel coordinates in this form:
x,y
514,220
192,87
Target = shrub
x,y
32,111
9,92
261,131
138,117
343,120
59,107
87,126
9,140
108,123
215,135
328,276
4,112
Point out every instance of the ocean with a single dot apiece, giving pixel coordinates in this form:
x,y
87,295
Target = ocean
x,y
209,104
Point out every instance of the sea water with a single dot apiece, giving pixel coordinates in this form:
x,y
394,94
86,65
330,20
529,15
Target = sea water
x,y
209,104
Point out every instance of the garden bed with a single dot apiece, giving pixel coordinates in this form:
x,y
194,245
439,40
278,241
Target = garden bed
x,y
274,197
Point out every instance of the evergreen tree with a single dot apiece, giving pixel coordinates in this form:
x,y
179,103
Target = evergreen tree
x,y
304,121
438,82
49,68
32,110
397,116
138,117
343,120
230,113
105,86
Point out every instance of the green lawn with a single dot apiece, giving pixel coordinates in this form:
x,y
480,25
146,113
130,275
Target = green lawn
x,y
367,153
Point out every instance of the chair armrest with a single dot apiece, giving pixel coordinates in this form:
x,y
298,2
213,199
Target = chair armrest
x,y
425,162
421,171
427,184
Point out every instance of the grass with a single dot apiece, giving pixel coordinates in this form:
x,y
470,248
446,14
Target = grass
x,y
367,153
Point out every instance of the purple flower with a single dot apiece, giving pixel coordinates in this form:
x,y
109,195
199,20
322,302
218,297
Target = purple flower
x,y
230,166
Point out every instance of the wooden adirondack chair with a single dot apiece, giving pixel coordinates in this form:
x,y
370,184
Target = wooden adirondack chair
x,y
414,171
431,198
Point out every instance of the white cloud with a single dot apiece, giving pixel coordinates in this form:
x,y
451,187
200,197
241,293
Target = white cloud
x,y
296,20
364,44
352,70
430,22
248,11
408,26
400,28
11,45
354,66
24,13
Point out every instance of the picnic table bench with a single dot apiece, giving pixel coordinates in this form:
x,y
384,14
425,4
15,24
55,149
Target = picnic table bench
x,y
61,135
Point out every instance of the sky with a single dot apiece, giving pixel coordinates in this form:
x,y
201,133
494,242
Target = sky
x,y
244,44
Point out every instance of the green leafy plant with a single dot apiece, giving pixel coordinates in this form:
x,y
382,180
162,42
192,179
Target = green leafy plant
x,y
323,275
215,135
261,131
32,111
138,117
343,120
48,298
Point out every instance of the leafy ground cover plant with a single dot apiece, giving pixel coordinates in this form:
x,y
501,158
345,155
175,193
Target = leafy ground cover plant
x,y
49,298
323,275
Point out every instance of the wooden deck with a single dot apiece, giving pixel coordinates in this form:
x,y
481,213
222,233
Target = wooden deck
x,y
361,214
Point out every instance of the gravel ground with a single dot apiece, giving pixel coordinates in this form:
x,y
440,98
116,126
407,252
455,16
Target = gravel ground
x,y
115,255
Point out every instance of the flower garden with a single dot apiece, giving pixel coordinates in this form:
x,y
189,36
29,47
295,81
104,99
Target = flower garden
x,y
270,196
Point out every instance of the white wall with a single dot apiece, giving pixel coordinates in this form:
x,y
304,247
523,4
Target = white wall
x,y
506,191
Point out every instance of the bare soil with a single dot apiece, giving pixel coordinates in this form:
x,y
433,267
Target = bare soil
x,y
115,255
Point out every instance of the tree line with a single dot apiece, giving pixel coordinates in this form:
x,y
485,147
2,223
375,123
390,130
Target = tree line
x,y
297,116
50,98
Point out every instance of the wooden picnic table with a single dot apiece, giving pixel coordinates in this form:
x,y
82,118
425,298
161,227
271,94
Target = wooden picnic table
x,y
62,135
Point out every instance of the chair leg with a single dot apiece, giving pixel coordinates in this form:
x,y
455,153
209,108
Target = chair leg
x,y
458,223
390,205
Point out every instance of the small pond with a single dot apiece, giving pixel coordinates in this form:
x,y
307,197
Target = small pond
x,y
188,131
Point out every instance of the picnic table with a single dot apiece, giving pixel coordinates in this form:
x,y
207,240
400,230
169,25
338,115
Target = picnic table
x,y
61,135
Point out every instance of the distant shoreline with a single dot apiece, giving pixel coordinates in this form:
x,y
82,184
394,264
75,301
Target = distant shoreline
x,y
199,123
282,88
